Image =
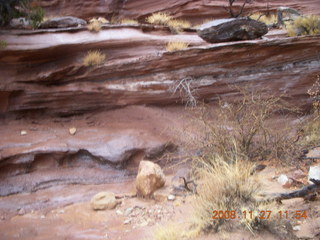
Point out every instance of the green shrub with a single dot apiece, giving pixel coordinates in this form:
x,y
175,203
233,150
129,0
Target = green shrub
x,y
3,44
10,9
36,15
304,25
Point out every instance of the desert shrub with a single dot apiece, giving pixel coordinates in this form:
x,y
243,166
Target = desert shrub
x,y
168,232
177,25
269,19
94,58
311,127
3,44
314,93
159,18
128,21
94,25
243,129
232,188
304,25
176,46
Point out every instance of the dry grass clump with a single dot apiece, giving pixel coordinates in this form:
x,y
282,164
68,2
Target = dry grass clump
x,y
177,25
128,21
176,46
304,25
222,186
94,58
159,18
269,19
94,26
230,187
168,232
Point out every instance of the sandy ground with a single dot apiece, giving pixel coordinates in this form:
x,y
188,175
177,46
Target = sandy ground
x,y
64,212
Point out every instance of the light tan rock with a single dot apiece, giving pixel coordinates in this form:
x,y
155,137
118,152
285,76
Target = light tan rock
x,y
72,130
150,178
103,201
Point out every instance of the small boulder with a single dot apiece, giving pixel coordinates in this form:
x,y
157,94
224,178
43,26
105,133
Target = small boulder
x,y
20,23
314,173
103,201
233,29
285,181
63,22
150,178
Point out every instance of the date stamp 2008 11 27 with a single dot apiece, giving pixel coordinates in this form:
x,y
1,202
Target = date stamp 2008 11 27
x,y
263,214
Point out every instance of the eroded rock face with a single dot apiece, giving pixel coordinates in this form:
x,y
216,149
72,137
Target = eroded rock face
x,y
41,75
104,201
150,178
195,10
234,29
63,22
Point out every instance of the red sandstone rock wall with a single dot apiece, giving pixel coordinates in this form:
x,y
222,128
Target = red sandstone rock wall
x,y
196,10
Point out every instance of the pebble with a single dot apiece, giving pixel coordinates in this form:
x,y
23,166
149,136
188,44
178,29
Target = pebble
x,y
21,211
171,197
72,130
127,221
296,228
23,132
128,211
119,212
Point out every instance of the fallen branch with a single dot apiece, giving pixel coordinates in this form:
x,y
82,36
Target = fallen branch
x,y
194,190
305,193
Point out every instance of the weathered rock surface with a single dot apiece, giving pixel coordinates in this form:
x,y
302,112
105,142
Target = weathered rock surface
x,y
150,178
104,201
39,74
195,10
20,23
232,29
63,22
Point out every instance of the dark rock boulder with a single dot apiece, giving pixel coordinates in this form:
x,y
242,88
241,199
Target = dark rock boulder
x,y
63,22
233,29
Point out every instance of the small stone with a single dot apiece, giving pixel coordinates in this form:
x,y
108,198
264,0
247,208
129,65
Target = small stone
x,y
119,212
314,173
104,200
171,197
42,216
144,223
127,221
23,132
298,174
285,181
21,211
296,228
128,211
72,130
